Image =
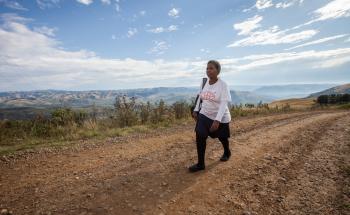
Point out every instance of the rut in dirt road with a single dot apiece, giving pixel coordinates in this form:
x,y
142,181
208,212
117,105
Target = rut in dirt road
x,y
281,164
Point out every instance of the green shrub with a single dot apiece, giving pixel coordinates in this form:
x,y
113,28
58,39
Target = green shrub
x,y
125,111
333,99
66,116
181,109
345,106
145,112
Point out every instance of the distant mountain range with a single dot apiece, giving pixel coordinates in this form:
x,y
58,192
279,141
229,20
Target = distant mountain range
x,y
23,104
105,98
291,90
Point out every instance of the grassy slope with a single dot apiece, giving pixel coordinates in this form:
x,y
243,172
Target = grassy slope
x,y
294,103
93,135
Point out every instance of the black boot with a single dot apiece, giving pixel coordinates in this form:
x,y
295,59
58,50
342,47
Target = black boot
x,y
201,146
226,156
196,167
227,153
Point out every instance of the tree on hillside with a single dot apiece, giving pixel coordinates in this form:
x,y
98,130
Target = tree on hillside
x,y
145,112
125,111
333,99
323,99
180,109
159,111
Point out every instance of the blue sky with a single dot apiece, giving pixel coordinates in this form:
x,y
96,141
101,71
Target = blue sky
x,y
114,44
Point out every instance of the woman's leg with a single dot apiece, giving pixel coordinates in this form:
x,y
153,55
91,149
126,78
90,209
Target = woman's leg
x,y
227,152
201,142
201,145
201,137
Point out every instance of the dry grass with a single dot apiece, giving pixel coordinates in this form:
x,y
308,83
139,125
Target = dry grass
x,y
295,103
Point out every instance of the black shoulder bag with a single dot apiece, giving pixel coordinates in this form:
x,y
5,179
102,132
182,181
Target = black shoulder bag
x,y
200,101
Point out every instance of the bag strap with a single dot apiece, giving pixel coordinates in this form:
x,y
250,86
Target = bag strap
x,y
203,82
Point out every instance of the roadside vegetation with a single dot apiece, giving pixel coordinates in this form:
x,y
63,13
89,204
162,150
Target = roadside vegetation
x,y
334,99
66,124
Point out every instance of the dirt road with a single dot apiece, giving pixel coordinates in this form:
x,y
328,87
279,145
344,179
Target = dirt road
x,y
295,163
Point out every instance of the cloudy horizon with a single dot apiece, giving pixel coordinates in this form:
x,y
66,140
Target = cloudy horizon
x,y
119,44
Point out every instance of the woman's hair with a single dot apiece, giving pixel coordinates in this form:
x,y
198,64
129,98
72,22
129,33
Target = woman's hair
x,y
216,65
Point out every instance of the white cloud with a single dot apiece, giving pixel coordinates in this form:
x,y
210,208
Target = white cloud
x,y
174,12
331,63
315,57
206,51
262,4
137,15
323,40
173,28
288,3
32,60
249,25
285,4
131,32
197,25
86,2
35,61
113,37
43,4
273,36
158,30
12,4
46,30
333,10
13,18
117,7
106,2
159,47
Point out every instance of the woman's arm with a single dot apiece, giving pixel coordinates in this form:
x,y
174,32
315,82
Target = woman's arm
x,y
221,111
219,115
224,100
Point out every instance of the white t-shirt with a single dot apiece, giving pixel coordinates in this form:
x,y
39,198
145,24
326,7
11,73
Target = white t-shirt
x,y
215,99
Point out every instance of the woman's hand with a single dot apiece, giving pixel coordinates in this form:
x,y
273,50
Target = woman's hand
x,y
194,115
214,126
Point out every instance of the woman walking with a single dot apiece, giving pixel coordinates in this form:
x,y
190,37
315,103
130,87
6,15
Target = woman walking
x,y
213,115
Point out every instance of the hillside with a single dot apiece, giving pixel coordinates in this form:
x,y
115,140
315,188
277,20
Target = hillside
x,y
25,104
105,98
50,98
294,103
249,97
341,89
308,101
291,90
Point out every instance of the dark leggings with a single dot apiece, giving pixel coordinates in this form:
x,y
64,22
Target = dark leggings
x,y
201,142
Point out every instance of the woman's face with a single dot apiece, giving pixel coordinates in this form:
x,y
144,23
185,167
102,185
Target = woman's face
x,y
211,71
